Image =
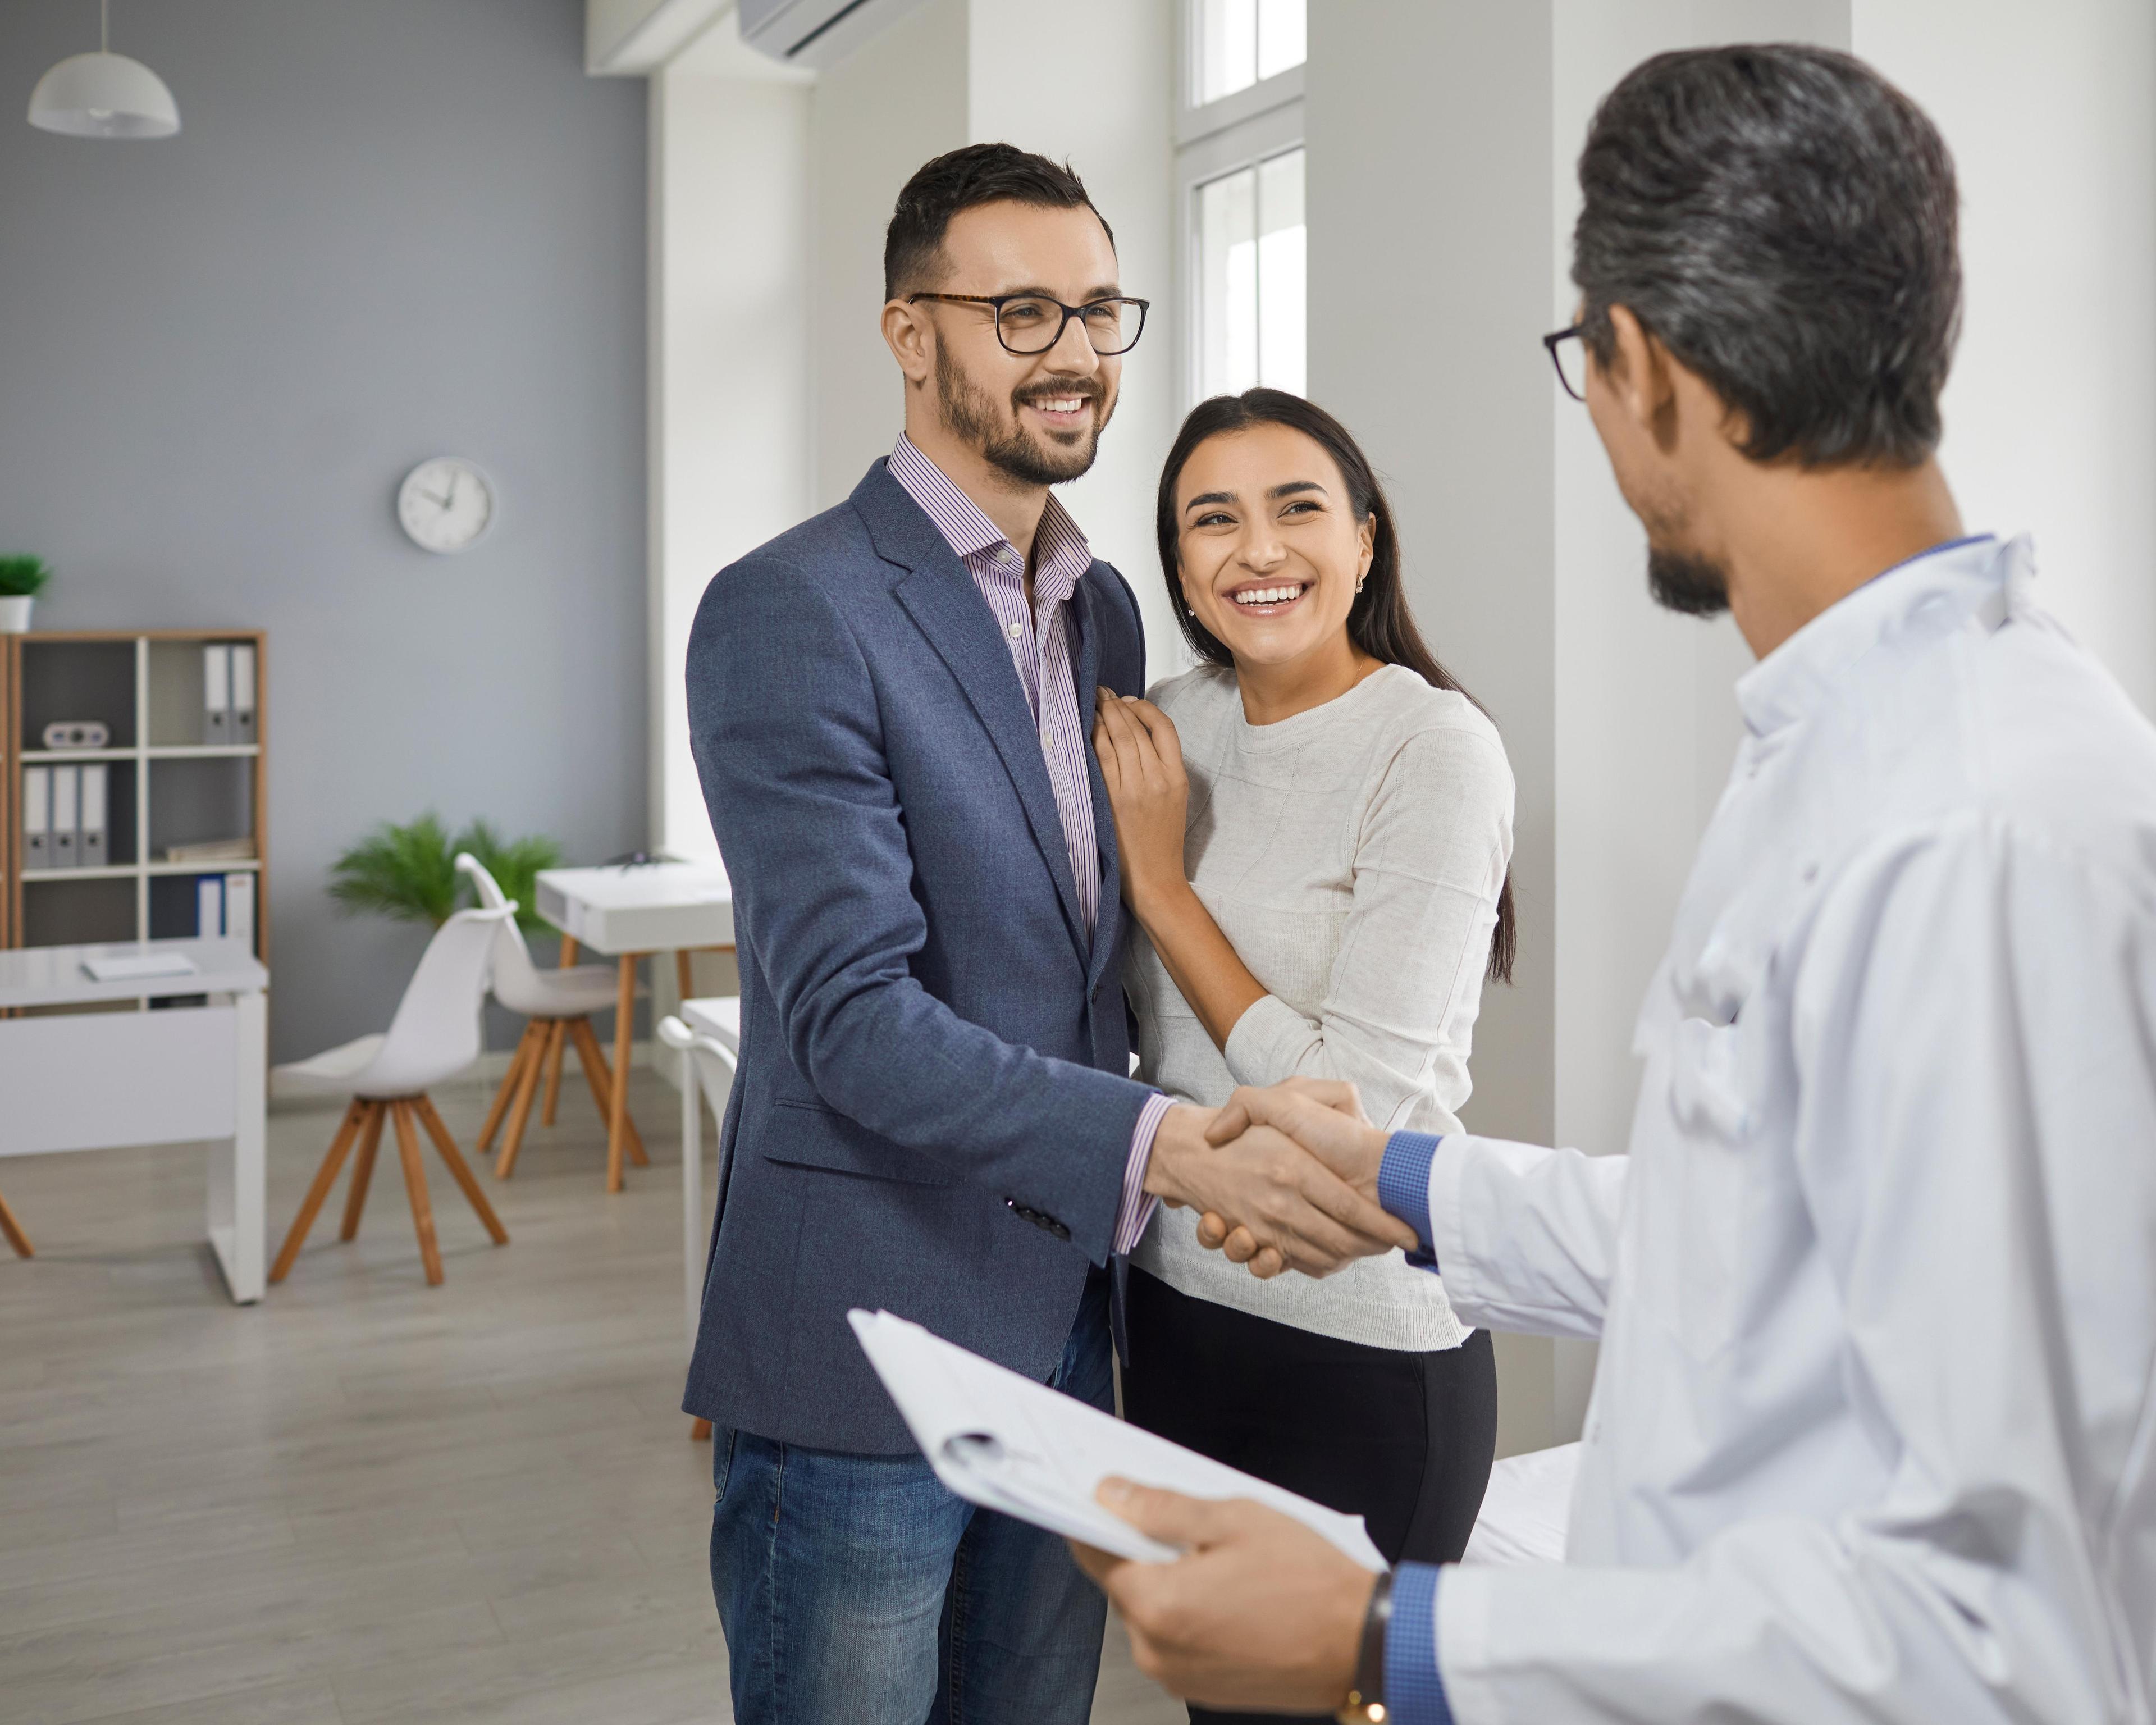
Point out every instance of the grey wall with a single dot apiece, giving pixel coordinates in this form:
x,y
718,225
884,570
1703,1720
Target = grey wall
x,y
385,231
1429,134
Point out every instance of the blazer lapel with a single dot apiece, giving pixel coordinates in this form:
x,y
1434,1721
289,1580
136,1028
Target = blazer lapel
x,y
943,602
1108,920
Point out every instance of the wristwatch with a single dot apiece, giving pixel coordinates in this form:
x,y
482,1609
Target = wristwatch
x,y
1366,1700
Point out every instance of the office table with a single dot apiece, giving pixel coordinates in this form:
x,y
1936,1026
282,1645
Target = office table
x,y
630,913
95,1080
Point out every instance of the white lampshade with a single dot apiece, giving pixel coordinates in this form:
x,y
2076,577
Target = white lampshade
x,y
104,95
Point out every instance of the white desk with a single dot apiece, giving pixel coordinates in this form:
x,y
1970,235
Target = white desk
x,y
629,914
103,1079
718,1016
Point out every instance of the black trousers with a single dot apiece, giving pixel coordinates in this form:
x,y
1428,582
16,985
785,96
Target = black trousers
x,y
1402,1440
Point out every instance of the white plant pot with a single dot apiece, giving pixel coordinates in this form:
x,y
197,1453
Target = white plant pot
x,y
15,615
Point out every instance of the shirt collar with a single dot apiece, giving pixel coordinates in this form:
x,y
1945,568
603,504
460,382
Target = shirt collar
x,y
1962,574
1064,554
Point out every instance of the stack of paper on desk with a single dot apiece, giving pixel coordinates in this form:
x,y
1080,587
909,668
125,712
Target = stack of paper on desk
x,y
1006,1443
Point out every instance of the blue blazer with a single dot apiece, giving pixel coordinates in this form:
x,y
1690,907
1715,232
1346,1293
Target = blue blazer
x,y
932,1114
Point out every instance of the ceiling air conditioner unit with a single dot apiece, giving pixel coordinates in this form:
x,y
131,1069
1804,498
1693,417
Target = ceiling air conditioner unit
x,y
815,32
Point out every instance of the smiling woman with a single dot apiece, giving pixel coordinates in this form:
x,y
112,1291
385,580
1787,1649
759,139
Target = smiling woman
x,y
1314,828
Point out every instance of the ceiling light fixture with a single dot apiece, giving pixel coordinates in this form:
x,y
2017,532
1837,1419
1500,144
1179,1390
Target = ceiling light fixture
x,y
104,94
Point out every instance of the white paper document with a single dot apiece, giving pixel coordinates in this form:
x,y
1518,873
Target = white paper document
x,y
1002,1441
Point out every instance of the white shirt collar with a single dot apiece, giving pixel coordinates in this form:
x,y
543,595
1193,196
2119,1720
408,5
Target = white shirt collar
x,y
1962,573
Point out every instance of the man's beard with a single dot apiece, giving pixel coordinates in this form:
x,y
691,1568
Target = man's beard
x,y
969,415
1681,582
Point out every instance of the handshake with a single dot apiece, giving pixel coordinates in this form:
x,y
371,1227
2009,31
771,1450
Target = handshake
x,y
1284,1177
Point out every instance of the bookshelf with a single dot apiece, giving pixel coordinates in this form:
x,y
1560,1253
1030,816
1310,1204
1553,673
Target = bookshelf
x,y
168,784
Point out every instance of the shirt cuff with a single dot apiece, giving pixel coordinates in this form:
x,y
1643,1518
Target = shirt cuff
x,y
1415,1692
1138,1205
1403,1187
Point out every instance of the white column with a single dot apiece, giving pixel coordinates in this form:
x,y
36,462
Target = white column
x,y
729,357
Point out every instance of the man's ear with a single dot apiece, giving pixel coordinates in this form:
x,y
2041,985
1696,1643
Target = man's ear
x,y
912,339
1640,375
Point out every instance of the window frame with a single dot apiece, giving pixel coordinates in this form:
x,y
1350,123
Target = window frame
x,y
1212,140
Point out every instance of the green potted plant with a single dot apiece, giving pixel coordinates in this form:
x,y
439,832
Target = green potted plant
x,y
409,872
23,577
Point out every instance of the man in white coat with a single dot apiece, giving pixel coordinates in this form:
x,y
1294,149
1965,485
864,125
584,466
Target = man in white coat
x,y
1873,1436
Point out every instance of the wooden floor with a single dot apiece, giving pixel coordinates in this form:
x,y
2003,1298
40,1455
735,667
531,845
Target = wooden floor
x,y
364,1500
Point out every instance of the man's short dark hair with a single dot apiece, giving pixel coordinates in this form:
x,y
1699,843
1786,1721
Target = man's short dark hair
x,y
1785,220
980,173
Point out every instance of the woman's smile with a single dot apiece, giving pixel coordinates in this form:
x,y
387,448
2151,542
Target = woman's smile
x,y
1267,598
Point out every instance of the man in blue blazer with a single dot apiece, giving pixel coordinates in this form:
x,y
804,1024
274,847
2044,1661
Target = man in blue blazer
x,y
890,706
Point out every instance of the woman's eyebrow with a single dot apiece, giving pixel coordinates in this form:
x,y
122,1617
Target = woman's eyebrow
x,y
1208,497
1294,486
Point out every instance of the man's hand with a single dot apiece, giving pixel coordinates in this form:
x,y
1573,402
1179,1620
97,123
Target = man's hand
x,y
1260,1613
1287,1203
1325,1117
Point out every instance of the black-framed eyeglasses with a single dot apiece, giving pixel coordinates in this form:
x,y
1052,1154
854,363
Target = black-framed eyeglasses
x,y
1571,362
1028,324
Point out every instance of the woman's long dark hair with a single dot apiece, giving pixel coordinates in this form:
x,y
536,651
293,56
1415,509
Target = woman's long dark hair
x,y
1379,623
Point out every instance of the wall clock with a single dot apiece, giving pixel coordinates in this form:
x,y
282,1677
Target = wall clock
x,y
445,504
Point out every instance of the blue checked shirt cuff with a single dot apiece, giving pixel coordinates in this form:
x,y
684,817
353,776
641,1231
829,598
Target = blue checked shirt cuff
x,y
1415,1692
1138,1205
1403,1187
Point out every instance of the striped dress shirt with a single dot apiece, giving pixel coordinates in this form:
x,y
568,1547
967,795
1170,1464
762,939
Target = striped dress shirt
x,y
1039,636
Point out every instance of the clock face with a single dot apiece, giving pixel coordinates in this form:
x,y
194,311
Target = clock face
x,y
445,504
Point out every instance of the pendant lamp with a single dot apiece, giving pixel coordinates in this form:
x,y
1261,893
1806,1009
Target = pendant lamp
x,y
104,94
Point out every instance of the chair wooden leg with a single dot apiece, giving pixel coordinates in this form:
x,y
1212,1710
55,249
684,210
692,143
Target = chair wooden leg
x,y
624,1028
700,1431
325,1177
362,1172
598,1075
556,1037
527,1086
415,1187
423,1106
684,974
568,951
534,1029
14,1230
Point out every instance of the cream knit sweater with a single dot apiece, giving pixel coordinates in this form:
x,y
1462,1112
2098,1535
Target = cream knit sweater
x,y
1353,857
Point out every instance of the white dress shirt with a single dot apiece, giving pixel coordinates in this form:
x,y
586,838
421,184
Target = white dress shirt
x,y
1873,1436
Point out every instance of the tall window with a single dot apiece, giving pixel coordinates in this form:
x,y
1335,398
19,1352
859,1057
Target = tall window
x,y
1240,150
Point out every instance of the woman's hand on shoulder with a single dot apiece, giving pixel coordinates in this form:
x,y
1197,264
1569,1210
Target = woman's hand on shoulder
x,y
1141,764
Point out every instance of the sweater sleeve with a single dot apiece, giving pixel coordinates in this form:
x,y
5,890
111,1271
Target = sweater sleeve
x,y
1406,977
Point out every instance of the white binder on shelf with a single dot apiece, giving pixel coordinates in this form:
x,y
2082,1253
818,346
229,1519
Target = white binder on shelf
x,y
92,851
243,691
209,907
240,909
37,817
67,786
217,693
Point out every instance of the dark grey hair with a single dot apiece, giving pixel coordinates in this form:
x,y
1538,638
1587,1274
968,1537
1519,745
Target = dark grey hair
x,y
1785,219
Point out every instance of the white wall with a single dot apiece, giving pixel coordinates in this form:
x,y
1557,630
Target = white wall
x,y
1119,139
895,102
1644,720
2050,415
729,354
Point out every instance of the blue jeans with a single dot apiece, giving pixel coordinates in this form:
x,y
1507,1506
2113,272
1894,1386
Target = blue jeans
x,y
856,1590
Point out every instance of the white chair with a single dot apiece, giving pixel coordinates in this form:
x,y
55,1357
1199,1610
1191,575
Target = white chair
x,y
558,1007
708,1067
434,1036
